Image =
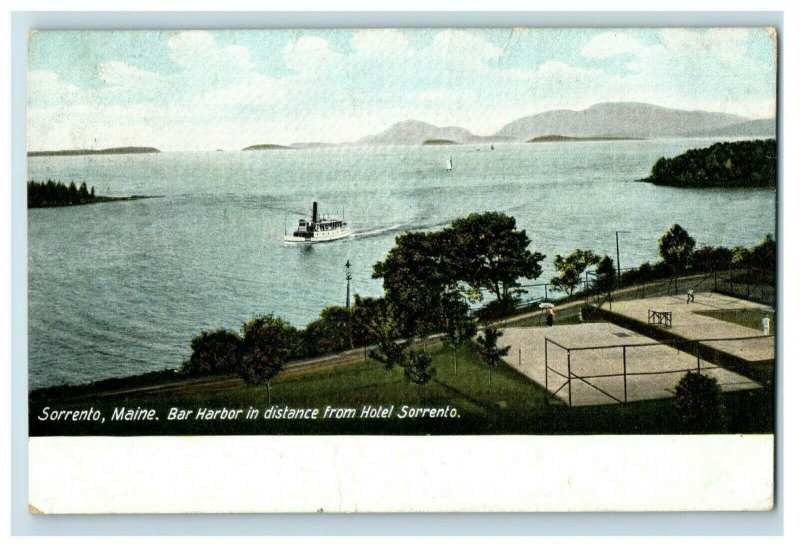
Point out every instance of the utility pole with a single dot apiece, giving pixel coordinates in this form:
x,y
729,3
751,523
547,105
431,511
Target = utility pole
x,y
348,276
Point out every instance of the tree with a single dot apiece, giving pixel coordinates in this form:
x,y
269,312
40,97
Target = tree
x,y
458,325
571,268
268,343
385,333
72,193
606,274
699,401
329,333
214,352
417,370
763,255
488,350
676,248
709,259
414,279
489,253
83,193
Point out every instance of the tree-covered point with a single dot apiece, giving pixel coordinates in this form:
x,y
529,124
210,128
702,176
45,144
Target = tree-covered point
x,y
724,164
58,194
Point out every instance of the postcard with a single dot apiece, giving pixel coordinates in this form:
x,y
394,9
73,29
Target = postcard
x,y
365,270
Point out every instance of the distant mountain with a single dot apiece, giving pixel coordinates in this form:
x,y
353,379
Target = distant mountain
x,y
413,132
88,152
613,119
764,127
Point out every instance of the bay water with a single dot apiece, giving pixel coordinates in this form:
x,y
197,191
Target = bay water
x,y
121,288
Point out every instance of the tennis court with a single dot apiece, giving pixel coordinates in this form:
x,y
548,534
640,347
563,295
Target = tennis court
x,y
602,363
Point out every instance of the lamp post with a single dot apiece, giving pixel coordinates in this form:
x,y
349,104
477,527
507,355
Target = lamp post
x,y
619,267
348,276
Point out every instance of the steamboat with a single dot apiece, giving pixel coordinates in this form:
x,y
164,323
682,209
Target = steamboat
x,y
319,229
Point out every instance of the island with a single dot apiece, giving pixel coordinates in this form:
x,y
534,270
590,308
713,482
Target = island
x,y
99,152
566,138
434,142
740,164
257,147
57,194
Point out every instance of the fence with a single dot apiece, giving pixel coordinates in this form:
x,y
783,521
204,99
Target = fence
x,y
589,364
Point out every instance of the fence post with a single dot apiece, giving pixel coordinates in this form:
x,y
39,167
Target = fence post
x,y
546,367
569,376
545,292
520,357
625,372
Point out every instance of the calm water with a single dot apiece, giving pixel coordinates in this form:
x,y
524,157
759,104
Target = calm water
x,y
121,288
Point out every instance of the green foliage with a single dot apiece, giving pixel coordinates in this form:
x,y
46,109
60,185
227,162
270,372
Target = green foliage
x,y
458,325
415,275
328,334
214,352
699,401
417,368
571,268
484,251
490,253
708,259
606,274
56,194
676,248
268,343
488,349
385,333
726,164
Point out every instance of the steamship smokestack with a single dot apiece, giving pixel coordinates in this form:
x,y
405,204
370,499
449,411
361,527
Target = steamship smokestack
x,y
314,213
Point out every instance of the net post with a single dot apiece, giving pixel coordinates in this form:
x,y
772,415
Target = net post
x,y
697,352
569,376
625,373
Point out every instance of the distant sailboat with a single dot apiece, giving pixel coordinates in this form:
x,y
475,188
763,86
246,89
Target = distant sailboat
x,y
449,166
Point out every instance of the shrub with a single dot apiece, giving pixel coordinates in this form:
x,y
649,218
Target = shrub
x,y
699,401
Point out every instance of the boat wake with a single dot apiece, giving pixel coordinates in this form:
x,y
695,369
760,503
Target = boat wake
x,y
397,229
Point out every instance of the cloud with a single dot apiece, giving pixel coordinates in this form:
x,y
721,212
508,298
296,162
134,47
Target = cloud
x,y
611,44
310,54
198,50
44,86
380,43
302,88
116,73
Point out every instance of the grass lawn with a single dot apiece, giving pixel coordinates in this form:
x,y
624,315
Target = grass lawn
x,y
745,317
510,404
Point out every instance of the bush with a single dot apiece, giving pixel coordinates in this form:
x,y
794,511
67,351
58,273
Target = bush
x,y
214,352
497,309
699,401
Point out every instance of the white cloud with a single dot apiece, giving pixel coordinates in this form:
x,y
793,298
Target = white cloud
x,y
380,42
309,54
198,50
611,44
116,73
44,86
459,48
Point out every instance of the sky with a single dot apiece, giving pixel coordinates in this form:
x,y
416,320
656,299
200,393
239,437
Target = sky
x,y
208,90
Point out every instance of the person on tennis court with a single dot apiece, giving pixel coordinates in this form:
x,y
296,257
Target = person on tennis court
x,y
690,295
550,316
